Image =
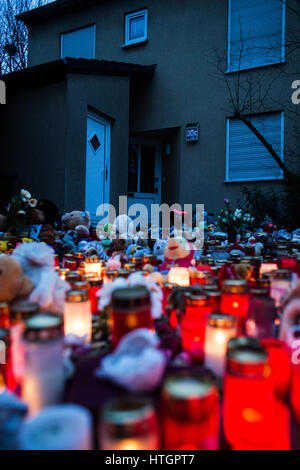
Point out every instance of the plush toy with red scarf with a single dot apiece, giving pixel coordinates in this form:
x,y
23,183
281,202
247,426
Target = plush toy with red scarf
x,y
178,253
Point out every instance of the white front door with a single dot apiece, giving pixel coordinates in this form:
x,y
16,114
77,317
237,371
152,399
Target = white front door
x,y
144,173
97,164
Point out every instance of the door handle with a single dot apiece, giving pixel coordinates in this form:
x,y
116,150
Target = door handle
x,y
106,174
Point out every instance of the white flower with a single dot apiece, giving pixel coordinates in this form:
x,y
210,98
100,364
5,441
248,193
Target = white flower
x,y
21,212
25,194
33,202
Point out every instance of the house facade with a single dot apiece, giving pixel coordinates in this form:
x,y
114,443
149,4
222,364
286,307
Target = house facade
x,y
126,97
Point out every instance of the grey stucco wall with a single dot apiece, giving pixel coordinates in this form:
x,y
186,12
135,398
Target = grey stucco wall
x,y
183,35
33,144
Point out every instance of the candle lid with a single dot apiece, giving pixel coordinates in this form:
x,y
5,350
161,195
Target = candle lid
x,y
190,397
77,296
234,287
221,320
44,327
128,417
129,297
23,310
208,288
73,276
63,271
69,257
80,285
78,256
247,356
196,300
92,259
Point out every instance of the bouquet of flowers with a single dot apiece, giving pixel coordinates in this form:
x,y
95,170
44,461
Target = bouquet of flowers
x,y
18,212
234,220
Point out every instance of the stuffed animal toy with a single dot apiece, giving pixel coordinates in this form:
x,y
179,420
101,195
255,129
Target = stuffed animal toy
x,y
179,253
13,282
92,248
76,226
37,262
159,249
123,227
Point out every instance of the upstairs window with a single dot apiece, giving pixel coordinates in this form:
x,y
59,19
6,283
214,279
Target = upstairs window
x,y
256,31
247,157
136,27
79,43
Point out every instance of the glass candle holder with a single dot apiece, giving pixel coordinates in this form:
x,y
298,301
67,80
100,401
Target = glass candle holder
x,y
77,314
72,277
235,299
220,328
131,309
193,324
129,424
43,382
56,260
267,268
261,314
191,412
281,281
63,273
248,411
179,276
69,262
79,258
95,285
93,266
6,365
279,360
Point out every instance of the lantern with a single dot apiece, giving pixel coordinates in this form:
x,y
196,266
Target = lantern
x,y
248,394
77,314
131,309
179,276
235,299
93,266
220,329
43,382
191,412
129,424
193,323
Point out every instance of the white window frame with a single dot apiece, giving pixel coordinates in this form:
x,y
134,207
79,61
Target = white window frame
x,y
241,180
128,18
231,68
74,31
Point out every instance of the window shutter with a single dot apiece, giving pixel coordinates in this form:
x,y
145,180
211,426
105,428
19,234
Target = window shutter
x,y
247,158
255,33
79,44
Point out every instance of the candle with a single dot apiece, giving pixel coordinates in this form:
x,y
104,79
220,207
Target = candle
x,y
77,314
267,268
279,360
72,277
4,315
281,281
191,412
95,285
235,299
261,314
93,266
60,427
43,382
248,393
131,309
6,366
63,273
129,424
193,323
179,276
220,329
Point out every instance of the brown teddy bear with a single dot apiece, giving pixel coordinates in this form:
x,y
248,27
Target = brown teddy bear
x,y
13,283
77,221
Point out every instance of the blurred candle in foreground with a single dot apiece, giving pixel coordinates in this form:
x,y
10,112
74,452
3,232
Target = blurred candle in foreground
x,y
191,412
193,324
281,281
77,314
128,424
179,276
293,342
279,360
248,394
43,381
220,329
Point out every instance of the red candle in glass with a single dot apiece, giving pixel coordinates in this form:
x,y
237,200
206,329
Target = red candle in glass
x,y
95,285
4,315
69,262
193,324
56,260
6,365
131,309
248,393
279,360
191,412
235,299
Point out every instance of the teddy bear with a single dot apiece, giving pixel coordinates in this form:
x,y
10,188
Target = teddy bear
x,y
13,282
37,262
123,227
76,225
179,253
159,250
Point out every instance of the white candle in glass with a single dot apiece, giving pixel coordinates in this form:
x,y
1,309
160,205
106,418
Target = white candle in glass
x,y
77,315
93,266
267,268
43,380
220,329
179,276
